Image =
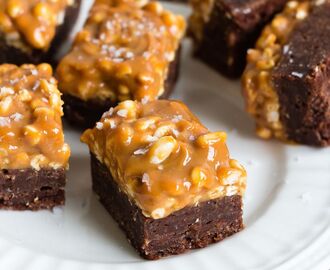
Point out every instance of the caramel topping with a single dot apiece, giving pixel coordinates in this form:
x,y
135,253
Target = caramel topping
x,y
31,132
200,16
163,157
122,53
139,3
260,95
33,20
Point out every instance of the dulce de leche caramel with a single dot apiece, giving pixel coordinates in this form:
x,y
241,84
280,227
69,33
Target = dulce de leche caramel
x,y
33,21
31,132
123,52
163,158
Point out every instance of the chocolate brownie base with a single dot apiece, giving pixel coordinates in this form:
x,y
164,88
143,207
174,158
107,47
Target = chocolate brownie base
x,y
186,229
84,114
233,28
302,80
28,189
13,55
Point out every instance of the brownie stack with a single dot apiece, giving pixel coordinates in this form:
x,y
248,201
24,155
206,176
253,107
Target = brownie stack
x,y
32,31
223,30
34,156
286,82
167,181
136,58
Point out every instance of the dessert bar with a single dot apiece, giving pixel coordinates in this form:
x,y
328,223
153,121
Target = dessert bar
x,y
286,82
165,178
31,31
124,52
33,154
223,30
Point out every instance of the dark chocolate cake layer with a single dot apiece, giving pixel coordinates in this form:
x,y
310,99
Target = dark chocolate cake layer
x,y
186,229
29,189
302,80
232,29
84,114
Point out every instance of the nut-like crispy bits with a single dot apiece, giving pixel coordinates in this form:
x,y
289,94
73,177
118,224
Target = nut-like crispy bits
x,y
163,157
36,21
30,119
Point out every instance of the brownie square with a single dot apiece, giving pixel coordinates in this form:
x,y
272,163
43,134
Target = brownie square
x,y
34,156
223,30
286,82
302,80
167,181
27,38
125,51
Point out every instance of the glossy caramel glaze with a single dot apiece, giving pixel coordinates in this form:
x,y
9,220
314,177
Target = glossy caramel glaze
x,y
31,133
33,21
123,52
163,157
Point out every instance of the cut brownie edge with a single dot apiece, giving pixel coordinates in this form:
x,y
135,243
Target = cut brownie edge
x,y
301,79
230,32
84,114
189,228
29,189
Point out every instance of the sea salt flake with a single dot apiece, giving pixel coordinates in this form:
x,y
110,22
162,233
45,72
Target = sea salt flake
x,y
297,74
99,125
122,113
16,117
187,185
286,49
141,151
4,121
129,55
4,91
211,153
177,118
145,100
146,180
56,130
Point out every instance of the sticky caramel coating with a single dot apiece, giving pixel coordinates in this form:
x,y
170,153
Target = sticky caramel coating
x,y
139,3
122,53
199,17
31,132
163,157
33,21
260,95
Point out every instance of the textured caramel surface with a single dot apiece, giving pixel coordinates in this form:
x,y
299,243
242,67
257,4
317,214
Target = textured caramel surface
x,y
122,53
163,157
33,21
199,17
31,132
118,2
260,95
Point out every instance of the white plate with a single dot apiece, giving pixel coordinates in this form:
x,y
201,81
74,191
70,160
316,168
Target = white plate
x,y
287,204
